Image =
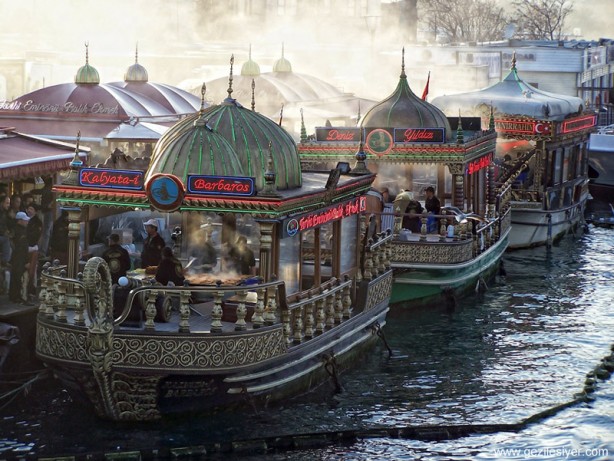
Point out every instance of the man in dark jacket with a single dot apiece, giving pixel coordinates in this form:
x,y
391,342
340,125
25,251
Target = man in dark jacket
x,y
19,260
34,232
152,246
169,269
117,258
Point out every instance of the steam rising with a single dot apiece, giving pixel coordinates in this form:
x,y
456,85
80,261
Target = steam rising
x,y
194,48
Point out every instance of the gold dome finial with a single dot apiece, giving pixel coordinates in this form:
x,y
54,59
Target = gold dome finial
x,y
232,61
203,90
87,53
253,95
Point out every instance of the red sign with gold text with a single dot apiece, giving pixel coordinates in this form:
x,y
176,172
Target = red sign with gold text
x,y
221,185
292,226
339,134
419,135
523,127
478,164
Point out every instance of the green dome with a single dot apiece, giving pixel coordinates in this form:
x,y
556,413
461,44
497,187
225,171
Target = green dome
x,y
191,146
250,68
250,134
136,72
87,74
403,109
282,64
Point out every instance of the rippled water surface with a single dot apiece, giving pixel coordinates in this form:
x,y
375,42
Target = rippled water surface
x,y
523,347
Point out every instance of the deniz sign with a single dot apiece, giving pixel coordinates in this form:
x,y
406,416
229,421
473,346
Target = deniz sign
x,y
111,179
338,134
221,185
297,224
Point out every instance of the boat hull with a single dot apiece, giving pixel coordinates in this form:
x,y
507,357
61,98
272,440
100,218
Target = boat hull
x,y
532,227
147,375
419,284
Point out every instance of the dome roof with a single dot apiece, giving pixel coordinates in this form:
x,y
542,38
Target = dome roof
x,y
136,72
403,109
250,133
282,64
191,146
87,74
174,99
250,68
512,96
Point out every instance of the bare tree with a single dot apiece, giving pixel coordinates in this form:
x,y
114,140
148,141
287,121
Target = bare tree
x,y
464,20
542,19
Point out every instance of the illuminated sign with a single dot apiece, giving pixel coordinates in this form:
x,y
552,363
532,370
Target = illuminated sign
x,y
297,224
523,127
111,179
477,165
419,135
66,107
580,123
379,141
221,185
338,134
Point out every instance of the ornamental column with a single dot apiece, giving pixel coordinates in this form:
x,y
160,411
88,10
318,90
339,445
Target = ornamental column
x,y
266,247
458,185
74,234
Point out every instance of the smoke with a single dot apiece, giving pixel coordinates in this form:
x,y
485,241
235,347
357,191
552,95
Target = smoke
x,y
181,40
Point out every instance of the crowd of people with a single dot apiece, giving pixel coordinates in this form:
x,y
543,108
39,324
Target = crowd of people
x,y
25,237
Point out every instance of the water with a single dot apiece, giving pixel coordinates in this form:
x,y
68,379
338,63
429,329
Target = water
x,y
523,347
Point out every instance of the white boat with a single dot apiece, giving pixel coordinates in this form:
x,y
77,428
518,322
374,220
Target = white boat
x,y
547,165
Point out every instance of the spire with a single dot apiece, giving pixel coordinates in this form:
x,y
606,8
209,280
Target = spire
x,y
203,90
253,95
232,61
281,114
403,74
513,61
358,115
361,156
491,120
76,161
270,189
136,53
303,130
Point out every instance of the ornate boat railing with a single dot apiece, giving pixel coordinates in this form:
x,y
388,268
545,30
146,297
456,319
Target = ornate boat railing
x,y
302,315
469,240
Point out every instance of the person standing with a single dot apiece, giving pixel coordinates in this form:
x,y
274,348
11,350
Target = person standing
x,y
58,246
242,256
152,246
19,260
433,206
5,235
117,257
34,231
169,269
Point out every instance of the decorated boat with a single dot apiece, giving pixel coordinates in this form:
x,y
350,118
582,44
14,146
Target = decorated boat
x,y
541,154
437,252
312,295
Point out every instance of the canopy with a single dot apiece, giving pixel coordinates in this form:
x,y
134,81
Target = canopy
x,y
23,156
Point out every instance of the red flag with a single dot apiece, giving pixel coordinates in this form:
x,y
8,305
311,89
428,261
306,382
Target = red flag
x,y
426,87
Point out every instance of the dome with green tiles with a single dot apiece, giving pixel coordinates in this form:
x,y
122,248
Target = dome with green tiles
x,y
404,109
87,74
192,147
251,134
